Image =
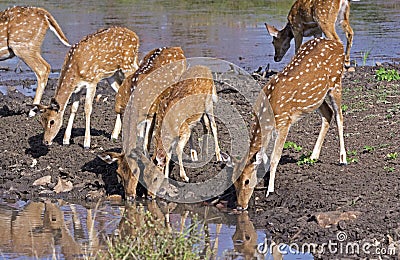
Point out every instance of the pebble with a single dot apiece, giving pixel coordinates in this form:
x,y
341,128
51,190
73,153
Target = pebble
x,y
351,69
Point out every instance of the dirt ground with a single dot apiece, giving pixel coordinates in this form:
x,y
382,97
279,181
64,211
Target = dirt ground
x,y
368,185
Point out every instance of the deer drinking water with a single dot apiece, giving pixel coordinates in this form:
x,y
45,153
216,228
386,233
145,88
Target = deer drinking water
x,y
312,18
22,31
301,88
94,58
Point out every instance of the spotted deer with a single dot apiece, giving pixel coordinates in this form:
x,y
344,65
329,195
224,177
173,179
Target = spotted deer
x,y
190,100
312,18
22,31
94,58
301,88
159,69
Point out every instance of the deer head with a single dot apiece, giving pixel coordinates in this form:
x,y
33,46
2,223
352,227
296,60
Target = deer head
x,y
51,119
128,174
280,39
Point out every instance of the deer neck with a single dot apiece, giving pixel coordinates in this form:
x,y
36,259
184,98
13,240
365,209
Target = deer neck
x,y
68,84
288,31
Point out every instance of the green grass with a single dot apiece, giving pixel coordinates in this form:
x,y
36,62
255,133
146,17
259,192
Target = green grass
x,y
306,160
387,75
392,156
352,156
292,145
369,148
365,55
143,236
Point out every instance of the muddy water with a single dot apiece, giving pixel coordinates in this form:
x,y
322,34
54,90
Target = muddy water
x,y
231,30
60,230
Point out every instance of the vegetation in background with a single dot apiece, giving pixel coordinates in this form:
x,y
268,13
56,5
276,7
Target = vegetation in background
x,y
365,55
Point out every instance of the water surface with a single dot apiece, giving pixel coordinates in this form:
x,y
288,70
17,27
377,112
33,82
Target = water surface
x,y
231,30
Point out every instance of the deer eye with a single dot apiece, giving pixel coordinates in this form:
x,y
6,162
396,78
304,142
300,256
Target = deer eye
x,y
51,122
247,182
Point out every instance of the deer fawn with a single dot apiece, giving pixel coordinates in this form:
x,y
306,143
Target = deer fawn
x,y
312,18
313,74
22,31
190,100
94,58
159,69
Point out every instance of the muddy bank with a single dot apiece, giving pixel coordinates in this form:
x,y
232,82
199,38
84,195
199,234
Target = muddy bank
x,y
368,185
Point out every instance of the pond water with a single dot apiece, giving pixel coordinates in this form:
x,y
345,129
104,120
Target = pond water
x,y
60,230
230,30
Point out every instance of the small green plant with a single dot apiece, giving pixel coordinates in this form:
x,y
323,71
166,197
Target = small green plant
x,y
292,145
388,168
365,55
392,156
305,159
369,149
352,156
345,108
387,75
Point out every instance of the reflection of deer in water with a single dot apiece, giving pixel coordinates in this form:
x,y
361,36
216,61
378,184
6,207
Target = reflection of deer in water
x,y
34,230
245,239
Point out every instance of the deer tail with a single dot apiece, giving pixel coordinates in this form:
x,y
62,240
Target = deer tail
x,y
56,29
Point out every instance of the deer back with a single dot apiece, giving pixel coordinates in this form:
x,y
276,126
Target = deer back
x,y
99,55
152,62
302,86
18,23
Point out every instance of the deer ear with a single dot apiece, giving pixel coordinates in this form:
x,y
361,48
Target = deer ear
x,y
35,108
272,30
228,160
54,105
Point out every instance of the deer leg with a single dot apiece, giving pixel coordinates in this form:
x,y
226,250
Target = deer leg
x,y
90,92
213,125
41,69
329,30
276,156
206,132
336,98
184,136
167,161
148,134
117,128
349,35
74,109
193,153
326,115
